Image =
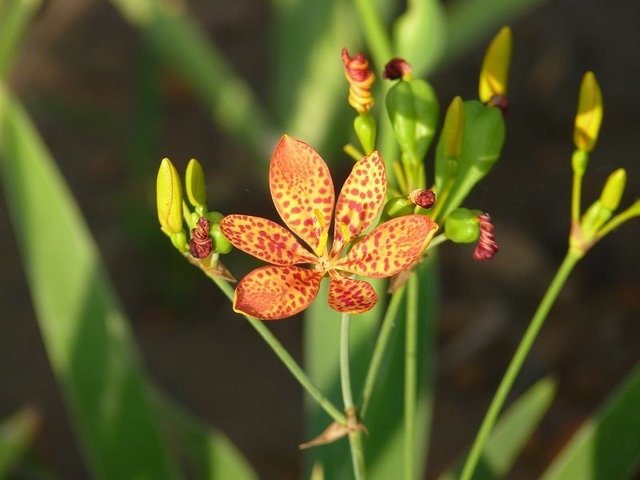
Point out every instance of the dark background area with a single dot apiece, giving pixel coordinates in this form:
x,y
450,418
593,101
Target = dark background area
x,y
83,73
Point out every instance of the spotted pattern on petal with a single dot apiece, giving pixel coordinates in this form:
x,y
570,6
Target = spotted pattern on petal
x,y
361,199
390,248
300,183
265,240
348,295
274,292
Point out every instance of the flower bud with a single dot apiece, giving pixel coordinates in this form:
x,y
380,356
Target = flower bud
x,y
195,185
613,189
462,226
495,69
453,129
589,115
169,198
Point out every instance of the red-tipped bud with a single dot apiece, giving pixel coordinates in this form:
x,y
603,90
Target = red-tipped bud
x,y
397,68
423,198
487,247
201,243
360,79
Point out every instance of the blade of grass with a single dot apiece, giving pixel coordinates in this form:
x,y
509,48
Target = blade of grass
x,y
90,347
15,16
174,34
513,430
83,328
607,446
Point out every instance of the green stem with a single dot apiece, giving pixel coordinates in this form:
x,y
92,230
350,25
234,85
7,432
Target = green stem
x,y
622,217
355,435
576,198
375,33
380,348
515,366
287,359
410,377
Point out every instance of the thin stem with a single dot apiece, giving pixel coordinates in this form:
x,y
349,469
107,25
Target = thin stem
x,y
410,377
375,32
380,348
355,440
287,359
515,366
576,198
622,217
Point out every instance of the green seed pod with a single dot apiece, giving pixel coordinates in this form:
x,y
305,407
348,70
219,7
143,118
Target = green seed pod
x,y
397,207
412,107
220,242
195,185
214,217
365,128
169,198
462,226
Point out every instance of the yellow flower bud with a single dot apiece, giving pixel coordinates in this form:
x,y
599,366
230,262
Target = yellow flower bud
x,y
495,67
169,198
194,181
589,115
613,189
453,128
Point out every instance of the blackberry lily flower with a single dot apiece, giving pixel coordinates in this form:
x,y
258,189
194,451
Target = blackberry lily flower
x,y
302,191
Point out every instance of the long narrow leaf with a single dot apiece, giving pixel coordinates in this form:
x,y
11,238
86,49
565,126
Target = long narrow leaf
x,y
513,430
15,15
607,447
90,347
84,332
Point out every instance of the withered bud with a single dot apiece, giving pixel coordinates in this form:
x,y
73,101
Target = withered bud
x,y
360,78
487,247
396,68
201,243
423,198
501,102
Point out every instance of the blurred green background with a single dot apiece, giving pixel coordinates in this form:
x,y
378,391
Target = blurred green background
x,y
109,108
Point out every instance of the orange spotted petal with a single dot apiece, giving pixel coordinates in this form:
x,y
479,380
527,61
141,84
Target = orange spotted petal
x,y
360,200
350,296
265,240
301,185
391,247
274,292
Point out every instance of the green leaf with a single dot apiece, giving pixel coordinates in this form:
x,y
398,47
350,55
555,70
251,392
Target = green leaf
x,y
420,35
607,446
91,350
384,445
15,16
16,434
322,354
512,431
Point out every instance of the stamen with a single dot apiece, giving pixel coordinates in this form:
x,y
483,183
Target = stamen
x,y
321,232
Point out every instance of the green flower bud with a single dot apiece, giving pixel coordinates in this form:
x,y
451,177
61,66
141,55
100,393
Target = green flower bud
x,y
462,226
194,181
453,128
397,207
613,189
412,107
214,217
220,242
495,67
365,128
169,198
589,115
